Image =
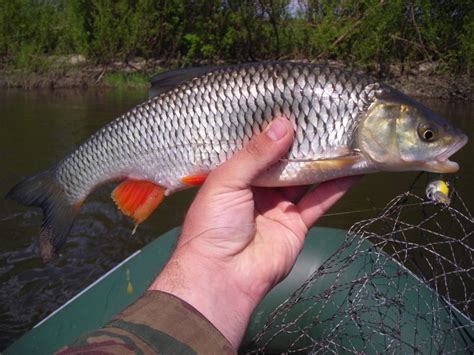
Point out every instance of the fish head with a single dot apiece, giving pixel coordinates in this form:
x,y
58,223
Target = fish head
x,y
399,134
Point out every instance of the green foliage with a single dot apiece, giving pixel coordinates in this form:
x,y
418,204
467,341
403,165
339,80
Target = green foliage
x,y
26,32
126,80
370,33
72,33
467,44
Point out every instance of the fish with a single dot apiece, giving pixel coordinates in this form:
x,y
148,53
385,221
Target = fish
x,y
345,124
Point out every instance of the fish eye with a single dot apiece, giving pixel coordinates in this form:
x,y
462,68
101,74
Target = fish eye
x,y
427,133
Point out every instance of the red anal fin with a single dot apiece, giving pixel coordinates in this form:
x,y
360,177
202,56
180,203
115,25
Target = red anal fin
x,y
194,180
137,199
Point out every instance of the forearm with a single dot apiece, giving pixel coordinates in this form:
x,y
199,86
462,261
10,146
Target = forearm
x,y
156,323
210,288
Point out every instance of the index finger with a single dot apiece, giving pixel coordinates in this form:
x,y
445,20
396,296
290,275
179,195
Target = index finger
x,y
318,201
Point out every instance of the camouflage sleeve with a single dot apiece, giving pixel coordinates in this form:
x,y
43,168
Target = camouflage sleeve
x,y
156,323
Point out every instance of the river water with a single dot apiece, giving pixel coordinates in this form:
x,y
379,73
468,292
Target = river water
x,y
40,128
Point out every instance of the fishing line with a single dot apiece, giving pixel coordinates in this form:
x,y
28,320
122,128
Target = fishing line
x,y
374,209
334,311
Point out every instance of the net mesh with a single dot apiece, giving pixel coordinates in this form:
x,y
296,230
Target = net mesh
x,y
401,282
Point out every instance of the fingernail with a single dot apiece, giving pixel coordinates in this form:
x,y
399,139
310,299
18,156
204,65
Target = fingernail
x,y
276,130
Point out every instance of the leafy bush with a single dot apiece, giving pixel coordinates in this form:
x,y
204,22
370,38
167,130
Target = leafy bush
x,y
369,33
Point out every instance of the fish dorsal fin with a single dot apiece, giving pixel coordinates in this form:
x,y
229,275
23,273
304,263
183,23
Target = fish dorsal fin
x,y
166,81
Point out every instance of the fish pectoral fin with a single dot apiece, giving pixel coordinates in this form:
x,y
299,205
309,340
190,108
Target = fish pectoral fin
x,y
330,154
194,180
137,199
342,162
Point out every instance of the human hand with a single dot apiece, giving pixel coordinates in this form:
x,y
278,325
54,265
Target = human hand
x,y
239,241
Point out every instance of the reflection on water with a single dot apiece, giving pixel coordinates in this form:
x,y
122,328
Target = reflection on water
x,y
38,129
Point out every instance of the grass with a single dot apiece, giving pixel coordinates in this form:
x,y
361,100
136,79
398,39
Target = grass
x,y
122,80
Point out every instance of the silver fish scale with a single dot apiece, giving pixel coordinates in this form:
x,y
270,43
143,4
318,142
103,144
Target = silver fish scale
x,y
200,124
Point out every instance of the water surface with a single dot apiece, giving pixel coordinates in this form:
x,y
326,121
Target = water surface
x,y
40,128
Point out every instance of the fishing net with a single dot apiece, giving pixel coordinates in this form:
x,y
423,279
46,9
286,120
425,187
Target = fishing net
x,y
401,282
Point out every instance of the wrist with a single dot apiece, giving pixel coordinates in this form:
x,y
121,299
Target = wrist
x,y
208,286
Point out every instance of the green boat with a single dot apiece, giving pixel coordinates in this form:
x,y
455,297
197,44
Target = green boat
x,y
304,323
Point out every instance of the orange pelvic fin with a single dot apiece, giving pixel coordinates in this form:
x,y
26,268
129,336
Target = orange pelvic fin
x,y
137,199
194,180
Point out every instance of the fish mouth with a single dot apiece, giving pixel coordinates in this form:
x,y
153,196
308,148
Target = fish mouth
x,y
442,164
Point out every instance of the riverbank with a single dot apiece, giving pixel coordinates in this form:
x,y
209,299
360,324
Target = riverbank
x,y
434,85
421,81
77,77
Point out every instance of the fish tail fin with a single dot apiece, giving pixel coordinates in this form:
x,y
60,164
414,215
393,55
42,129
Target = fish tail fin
x,y
44,191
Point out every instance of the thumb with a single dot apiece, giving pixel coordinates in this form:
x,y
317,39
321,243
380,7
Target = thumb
x,y
257,156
